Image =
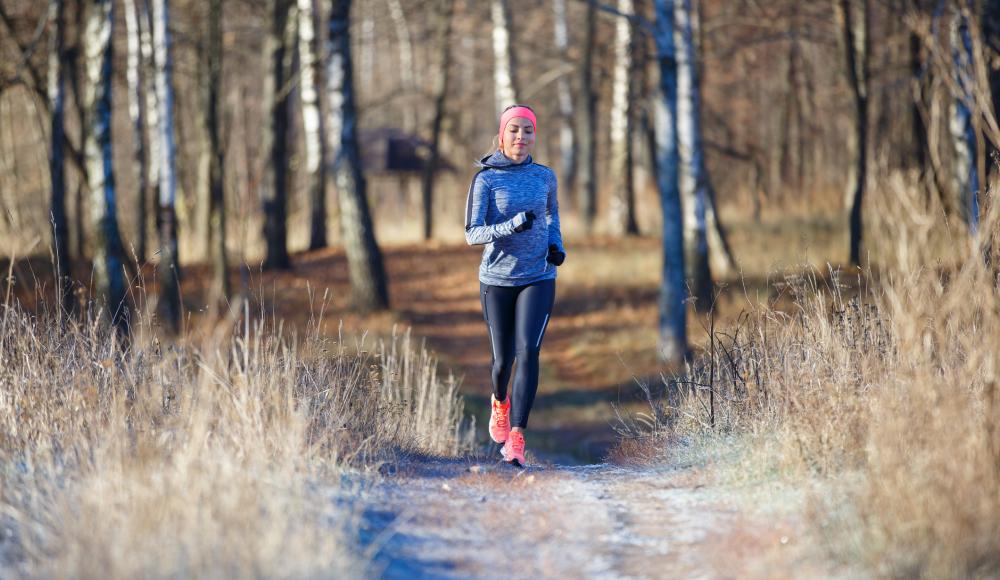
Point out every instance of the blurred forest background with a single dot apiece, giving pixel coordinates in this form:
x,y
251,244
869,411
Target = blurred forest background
x,y
237,132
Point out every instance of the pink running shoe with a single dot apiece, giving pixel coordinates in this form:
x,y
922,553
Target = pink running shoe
x,y
513,449
499,419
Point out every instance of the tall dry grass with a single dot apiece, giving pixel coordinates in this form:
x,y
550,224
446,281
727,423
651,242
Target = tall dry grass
x,y
886,386
223,457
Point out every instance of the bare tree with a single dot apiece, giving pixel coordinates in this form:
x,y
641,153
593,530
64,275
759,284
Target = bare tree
x,y
276,106
673,346
962,123
622,185
313,124
368,281
505,81
446,10
216,172
587,125
134,16
57,159
109,275
567,142
693,179
168,269
404,42
856,15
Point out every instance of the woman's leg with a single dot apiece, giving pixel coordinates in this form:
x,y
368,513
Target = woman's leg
x,y
534,306
498,311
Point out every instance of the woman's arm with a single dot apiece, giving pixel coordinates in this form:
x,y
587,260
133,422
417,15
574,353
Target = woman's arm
x,y
552,214
477,231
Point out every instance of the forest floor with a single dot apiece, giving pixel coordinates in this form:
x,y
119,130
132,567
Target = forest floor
x,y
580,509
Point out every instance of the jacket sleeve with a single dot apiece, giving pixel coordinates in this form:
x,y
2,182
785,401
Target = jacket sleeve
x,y
552,214
477,231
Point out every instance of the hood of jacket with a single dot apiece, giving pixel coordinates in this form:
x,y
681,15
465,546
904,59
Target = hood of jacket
x,y
497,160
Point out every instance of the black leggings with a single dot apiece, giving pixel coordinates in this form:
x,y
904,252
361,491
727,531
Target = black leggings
x,y
516,317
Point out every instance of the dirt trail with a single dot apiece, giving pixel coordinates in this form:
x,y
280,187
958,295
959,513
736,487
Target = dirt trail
x,y
456,519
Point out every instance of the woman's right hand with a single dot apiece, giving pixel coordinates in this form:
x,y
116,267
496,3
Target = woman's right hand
x,y
523,221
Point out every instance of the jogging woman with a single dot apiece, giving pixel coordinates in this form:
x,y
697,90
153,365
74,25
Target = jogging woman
x,y
512,210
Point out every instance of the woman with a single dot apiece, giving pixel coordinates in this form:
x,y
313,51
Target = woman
x,y
518,272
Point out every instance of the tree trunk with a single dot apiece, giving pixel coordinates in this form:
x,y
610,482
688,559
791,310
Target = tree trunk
x,y
505,82
148,62
368,282
216,172
446,10
137,113
276,104
961,125
587,126
168,268
406,64
857,43
567,143
673,296
109,278
57,159
311,80
622,185
693,182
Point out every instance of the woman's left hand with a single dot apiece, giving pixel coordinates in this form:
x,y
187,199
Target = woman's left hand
x,y
555,257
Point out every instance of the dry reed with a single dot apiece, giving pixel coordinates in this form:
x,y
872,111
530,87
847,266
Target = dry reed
x,y
886,387
218,459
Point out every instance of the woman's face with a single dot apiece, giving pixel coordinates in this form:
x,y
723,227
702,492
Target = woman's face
x,y
518,139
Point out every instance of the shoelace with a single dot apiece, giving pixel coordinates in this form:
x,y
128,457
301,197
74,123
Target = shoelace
x,y
503,420
516,444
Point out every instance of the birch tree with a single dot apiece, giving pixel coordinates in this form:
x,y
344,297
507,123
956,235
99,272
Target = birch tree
x,y
673,308
134,15
446,10
216,170
57,159
108,264
276,107
368,281
312,119
404,44
587,125
961,126
504,80
855,16
622,185
567,142
168,268
692,176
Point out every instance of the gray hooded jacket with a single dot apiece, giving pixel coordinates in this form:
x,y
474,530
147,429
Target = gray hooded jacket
x,y
500,196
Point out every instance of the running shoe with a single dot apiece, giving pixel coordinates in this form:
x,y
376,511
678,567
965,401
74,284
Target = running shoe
x,y
513,449
499,419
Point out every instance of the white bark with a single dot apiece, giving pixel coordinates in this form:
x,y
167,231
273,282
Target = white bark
x,y
137,113
621,131
108,275
567,146
165,104
673,309
312,120
689,149
152,101
505,90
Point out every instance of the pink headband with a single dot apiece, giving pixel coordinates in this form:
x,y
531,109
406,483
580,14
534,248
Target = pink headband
x,y
516,112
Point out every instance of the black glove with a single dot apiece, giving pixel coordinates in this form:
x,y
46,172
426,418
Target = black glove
x,y
555,257
528,219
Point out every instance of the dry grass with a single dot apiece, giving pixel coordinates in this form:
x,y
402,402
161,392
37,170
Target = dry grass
x,y
889,390
221,458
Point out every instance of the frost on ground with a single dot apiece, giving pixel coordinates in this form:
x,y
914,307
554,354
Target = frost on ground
x,y
461,519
